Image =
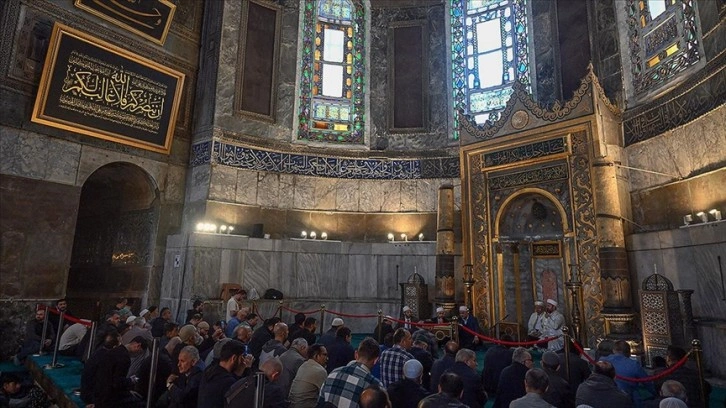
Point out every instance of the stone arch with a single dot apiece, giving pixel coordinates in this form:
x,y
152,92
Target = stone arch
x,y
114,240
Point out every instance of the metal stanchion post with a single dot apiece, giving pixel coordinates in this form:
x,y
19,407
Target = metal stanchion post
x,y
45,331
322,319
260,390
152,372
455,329
697,351
280,311
565,334
54,361
380,325
91,340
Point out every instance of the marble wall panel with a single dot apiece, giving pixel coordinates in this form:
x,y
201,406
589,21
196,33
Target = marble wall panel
x,y
371,196
325,193
347,195
427,195
268,189
174,185
304,196
286,198
62,171
198,189
310,278
246,187
714,349
257,270
408,195
362,276
223,183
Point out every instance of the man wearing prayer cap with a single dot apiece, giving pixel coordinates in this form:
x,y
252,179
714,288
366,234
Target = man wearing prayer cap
x,y
552,326
534,326
440,317
407,392
408,319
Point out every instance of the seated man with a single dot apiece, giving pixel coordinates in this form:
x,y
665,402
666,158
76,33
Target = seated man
x,y
15,394
600,390
34,336
535,383
183,388
242,392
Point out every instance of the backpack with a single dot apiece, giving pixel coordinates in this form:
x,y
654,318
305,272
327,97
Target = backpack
x,y
272,294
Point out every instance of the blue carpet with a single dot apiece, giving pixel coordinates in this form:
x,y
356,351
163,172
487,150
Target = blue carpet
x,y
67,378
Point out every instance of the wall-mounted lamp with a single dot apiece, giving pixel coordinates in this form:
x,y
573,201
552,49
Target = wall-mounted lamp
x,y
313,235
716,214
420,237
687,219
702,215
324,235
391,237
404,237
304,235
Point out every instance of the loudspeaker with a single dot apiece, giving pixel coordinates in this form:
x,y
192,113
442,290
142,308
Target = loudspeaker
x,y
258,230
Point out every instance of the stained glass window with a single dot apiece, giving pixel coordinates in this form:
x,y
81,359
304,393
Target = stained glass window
x,y
664,41
331,87
489,52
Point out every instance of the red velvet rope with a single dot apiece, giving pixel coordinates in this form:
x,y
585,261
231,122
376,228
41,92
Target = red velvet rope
x,y
508,343
298,311
662,374
350,315
69,318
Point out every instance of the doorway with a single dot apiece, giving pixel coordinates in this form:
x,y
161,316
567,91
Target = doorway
x,y
113,247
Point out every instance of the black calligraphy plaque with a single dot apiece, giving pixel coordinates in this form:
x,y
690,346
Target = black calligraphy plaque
x,y
148,18
98,89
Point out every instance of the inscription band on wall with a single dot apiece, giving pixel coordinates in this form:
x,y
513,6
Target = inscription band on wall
x,y
150,18
95,88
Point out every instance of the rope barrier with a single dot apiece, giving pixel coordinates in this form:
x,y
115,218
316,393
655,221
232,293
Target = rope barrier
x,y
84,322
298,311
651,378
350,315
509,343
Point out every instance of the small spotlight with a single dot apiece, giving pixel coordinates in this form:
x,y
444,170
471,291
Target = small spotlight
x,y
391,237
324,235
212,228
230,229
313,235
404,237
702,215
420,236
223,229
687,219
200,226
303,234
716,214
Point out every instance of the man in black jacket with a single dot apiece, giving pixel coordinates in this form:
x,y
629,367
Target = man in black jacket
x,y
465,368
443,364
559,393
183,389
600,390
242,392
218,378
511,381
497,358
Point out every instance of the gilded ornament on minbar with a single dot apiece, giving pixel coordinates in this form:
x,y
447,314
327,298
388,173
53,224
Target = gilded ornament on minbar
x,y
520,119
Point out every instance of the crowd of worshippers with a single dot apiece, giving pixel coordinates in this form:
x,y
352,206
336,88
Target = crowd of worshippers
x,y
206,366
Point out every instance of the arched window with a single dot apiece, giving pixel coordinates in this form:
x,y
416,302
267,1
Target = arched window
x,y
489,52
331,105
664,40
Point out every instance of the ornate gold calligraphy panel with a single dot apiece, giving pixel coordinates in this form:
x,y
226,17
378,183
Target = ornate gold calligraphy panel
x,y
95,88
148,18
